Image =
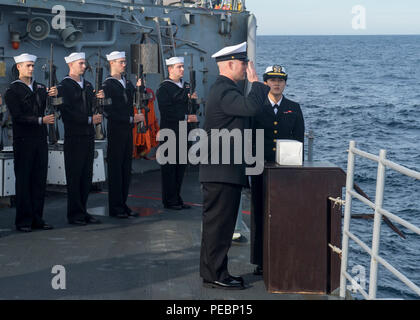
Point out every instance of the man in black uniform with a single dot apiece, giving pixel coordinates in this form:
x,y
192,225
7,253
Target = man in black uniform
x,y
280,118
79,135
172,96
226,108
121,119
26,100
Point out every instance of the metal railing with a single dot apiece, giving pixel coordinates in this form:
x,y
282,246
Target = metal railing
x,y
379,212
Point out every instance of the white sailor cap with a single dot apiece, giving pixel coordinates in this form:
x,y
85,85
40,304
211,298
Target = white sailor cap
x,y
24,57
275,71
174,60
75,56
236,52
115,55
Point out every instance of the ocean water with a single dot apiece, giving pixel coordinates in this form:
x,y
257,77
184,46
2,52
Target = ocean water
x,y
367,89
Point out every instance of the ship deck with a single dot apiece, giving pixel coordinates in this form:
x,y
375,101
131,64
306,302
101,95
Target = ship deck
x,y
154,256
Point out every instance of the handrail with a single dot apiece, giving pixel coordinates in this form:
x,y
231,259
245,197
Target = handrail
x,y
379,212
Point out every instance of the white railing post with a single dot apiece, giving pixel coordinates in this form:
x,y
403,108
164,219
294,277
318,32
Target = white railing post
x,y
379,196
383,163
347,215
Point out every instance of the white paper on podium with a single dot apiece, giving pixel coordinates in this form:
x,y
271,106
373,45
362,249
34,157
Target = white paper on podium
x,y
289,152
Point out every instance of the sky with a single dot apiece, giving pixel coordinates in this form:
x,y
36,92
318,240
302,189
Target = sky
x,y
335,17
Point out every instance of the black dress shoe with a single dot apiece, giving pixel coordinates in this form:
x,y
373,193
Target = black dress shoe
x,y
258,271
237,278
121,215
92,220
227,284
185,206
173,207
132,214
78,222
24,229
45,226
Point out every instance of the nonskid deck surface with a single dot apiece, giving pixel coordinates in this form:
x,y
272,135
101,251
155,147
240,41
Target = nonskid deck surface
x,y
154,256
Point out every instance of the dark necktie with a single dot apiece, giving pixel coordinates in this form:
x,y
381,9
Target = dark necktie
x,y
275,108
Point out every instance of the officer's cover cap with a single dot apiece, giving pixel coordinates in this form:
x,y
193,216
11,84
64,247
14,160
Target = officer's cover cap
x,y
275,71
236,52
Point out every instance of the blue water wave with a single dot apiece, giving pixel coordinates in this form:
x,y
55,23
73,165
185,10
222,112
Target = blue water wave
x,y
363,88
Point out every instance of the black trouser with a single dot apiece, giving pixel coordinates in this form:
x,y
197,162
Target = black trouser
x,y
119,157
257,219
31,166
78,160
220,210
172,176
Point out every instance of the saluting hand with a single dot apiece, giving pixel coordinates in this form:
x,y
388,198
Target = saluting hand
x,y
48,119
251,73
138,117
52,92
97,118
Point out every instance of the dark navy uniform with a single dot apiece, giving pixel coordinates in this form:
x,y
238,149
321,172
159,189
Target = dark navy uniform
x,y
120,115
30,150
173,108
79,144
288,123
226,108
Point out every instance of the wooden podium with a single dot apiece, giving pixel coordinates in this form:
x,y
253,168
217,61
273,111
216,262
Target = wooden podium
x,y
299,223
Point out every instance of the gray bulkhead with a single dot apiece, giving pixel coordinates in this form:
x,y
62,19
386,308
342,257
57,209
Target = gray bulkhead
x,y
117,25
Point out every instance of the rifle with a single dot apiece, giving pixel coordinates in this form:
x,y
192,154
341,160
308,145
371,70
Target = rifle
x,y
193,106
2,125
142,99
98,107
52,102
